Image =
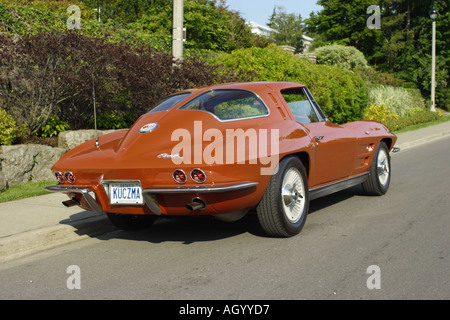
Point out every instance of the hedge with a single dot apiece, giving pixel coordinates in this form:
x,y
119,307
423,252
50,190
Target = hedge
x,y
342,94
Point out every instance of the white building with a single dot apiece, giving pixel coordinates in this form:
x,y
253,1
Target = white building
x,y
266,31
261,30
307,43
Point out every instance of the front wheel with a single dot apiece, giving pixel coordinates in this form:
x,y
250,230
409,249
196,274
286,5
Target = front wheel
x,y
283,209
130,222
379,179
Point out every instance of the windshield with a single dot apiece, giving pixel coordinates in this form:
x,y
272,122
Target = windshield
x,y
169,102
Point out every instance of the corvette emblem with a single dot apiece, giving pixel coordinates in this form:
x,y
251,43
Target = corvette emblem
x,y
148,128
169,156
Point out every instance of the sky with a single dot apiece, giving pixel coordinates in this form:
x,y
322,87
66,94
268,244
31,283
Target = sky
x,y
260,10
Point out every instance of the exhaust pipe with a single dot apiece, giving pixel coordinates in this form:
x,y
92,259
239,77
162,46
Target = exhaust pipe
x,y
72,202
196,204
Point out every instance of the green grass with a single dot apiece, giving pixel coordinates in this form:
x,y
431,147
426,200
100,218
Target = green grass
x,y
26,190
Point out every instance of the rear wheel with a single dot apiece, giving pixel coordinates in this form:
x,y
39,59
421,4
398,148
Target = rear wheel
x,y
130,222
379,178
283,209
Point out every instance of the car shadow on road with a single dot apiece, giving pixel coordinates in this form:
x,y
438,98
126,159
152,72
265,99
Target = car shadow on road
x,y
335,198
188,230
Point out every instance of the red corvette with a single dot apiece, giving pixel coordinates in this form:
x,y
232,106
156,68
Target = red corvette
x,y
224,150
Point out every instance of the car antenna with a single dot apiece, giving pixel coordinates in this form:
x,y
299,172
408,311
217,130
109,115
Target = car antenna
x,y
95,112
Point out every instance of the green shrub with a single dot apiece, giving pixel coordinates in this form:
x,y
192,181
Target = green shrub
x,y
394,122
341,94
376,77
110,121
345,57
8,128
52,127
416,116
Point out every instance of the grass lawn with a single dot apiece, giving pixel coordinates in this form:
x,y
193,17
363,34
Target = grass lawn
x,y
26,190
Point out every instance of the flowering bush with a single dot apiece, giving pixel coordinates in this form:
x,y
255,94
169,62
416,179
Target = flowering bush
x,y
383,114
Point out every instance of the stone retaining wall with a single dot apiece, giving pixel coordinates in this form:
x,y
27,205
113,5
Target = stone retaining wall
x,y
33,162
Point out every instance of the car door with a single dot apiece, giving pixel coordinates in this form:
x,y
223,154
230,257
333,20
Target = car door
x,y
334,145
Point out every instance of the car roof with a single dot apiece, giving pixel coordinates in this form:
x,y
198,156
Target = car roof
x,y
251,86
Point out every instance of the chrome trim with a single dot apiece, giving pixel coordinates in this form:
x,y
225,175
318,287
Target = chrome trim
x,y
145,128
337,186
151,202
226,187
84,191
227,120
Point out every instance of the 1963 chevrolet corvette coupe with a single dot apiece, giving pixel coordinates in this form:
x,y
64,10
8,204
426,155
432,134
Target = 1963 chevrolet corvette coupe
x,y
225,150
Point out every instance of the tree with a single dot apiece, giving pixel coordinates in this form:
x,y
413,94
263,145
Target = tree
x,y
403,44
289,28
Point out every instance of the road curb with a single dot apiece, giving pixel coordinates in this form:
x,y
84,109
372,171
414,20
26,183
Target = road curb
x,y
418,142
34,241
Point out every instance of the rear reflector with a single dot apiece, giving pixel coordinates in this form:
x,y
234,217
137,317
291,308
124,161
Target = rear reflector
x,y
59,176
198,175
70,178
179,176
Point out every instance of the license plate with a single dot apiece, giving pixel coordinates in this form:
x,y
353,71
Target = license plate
x,y
125,193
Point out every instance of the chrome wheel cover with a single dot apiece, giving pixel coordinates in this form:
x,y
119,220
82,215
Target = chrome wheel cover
x,y
383,169
293,195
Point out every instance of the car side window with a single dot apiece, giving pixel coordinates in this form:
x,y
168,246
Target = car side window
x,y
300,106
228,104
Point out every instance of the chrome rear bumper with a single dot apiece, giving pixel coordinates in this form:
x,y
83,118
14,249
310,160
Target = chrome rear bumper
x,y
149,194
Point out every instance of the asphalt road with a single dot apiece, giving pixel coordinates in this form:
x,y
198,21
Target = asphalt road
x,y
398,245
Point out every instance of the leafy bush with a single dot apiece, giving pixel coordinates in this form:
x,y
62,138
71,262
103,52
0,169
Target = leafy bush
x,y
345,57
400,100
341,94
387,116
417,116
110,121
376,77
52,127
8,128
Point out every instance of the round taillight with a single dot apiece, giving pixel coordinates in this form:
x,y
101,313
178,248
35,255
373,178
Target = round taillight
x,y
70,178
179,176
198,175
59,177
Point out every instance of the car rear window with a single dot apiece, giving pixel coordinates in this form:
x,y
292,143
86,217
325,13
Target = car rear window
x,y
229,104
169,102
